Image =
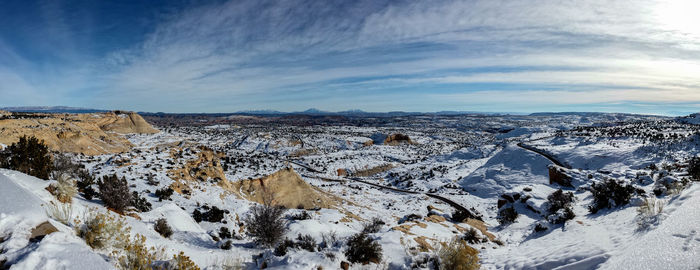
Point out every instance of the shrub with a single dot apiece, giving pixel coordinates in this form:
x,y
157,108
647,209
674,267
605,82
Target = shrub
x,y
84,185
507,215
283,247
224,233
373,226
114,192
330,239
64,189
104,231
304,215
559,200
197,215
306,242
213,214
163,228
227,245
29,156
471,236
540,228
363,249
164,193
561,216
694,168
457,255
181,262
136,256
63,164
140,203
608,194
460,215
266,224
560,206
412,217
648,212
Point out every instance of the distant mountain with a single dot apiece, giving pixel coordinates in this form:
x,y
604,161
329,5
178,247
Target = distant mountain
x,y
260,112
51,109
690,119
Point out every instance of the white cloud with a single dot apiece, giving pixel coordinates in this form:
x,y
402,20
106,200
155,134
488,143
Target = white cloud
x,y
226,56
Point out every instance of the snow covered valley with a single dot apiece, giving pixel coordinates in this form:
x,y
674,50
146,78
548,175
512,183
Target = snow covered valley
x,y
547,191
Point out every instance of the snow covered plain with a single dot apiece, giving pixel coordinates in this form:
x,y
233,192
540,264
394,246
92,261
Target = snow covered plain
x,y
472,161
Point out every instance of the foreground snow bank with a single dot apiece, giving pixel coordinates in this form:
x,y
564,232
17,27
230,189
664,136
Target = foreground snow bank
x,y
676,242
21,209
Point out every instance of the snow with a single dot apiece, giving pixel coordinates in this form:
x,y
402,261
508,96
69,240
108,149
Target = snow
x,y
61,250
21,209
468,165
511,169
178,219
675,242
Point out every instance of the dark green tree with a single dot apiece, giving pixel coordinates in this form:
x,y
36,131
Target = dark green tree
x,y
29,156
114,192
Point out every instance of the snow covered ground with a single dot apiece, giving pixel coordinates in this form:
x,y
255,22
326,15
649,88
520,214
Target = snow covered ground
x,y
474,163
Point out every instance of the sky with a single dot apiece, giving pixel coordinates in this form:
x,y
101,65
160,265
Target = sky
x,y
375,55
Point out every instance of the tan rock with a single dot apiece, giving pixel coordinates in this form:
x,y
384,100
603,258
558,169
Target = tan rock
x,y
42,230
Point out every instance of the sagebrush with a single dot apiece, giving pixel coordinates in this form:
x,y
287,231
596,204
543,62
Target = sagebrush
x,y
457,255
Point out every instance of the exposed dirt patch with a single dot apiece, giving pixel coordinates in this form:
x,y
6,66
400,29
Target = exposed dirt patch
x,y
89,134
287,189
372,171
205,166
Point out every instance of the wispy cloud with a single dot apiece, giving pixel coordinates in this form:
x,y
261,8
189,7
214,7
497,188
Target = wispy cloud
x,y
395,55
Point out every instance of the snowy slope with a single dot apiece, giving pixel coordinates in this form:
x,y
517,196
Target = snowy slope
x,y
21,199
511,169
674,243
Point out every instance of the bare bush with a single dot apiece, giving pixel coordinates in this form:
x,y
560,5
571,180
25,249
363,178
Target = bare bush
x,y
163,228
363,249
330,240
373,226
266,223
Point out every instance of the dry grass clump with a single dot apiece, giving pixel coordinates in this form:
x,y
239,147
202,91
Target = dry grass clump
x,y
649,211
62,212
457,255
64,189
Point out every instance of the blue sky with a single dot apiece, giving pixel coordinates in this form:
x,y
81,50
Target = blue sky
x,y
224,56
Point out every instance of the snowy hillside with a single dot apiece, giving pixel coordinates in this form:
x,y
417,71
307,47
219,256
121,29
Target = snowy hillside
x,y
533,192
